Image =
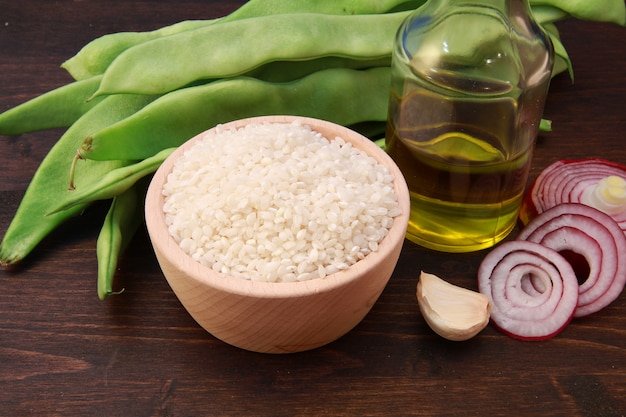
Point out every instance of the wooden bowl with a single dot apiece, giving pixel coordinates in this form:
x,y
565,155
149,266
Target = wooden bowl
x,y
278,317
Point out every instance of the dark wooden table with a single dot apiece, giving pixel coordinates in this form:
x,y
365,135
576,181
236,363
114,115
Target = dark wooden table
x,y
65,353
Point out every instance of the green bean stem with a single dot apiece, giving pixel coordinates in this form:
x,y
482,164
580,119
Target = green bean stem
x,y
545,125
49,185
112,183
233,48
344,96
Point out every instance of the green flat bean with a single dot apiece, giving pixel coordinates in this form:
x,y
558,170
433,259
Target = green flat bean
x,y
49,185
56,108
562,60
255,8
548,14
120,225
234,48
97,55
111,183
285,71
611,11
344,96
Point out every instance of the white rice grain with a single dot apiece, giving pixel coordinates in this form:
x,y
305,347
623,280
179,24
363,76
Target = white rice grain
x,y
278,202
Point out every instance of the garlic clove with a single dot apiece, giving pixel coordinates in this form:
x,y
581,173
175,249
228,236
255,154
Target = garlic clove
x,y
452,312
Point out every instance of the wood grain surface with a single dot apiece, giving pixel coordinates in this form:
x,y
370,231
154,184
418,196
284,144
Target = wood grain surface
x,y
65,353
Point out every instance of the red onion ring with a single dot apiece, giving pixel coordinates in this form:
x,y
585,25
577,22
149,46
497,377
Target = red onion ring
x,y
533,290
569,181
594,235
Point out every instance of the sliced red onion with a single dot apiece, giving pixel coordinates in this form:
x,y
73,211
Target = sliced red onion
x,y
595,182
533,289
594,235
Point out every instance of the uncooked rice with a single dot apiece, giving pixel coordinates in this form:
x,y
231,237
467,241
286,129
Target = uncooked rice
x,y
278,202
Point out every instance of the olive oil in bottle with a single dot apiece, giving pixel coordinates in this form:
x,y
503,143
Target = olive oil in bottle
x,y
469,81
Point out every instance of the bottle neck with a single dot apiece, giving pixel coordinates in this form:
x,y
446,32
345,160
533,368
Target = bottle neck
x,y
515,14
491,46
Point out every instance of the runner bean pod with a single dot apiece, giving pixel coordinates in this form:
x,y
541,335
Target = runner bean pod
x,y
340,95
56,108
546,14
562,61
122,221
284,71
95,57
255,8
611,11
49,185
168,63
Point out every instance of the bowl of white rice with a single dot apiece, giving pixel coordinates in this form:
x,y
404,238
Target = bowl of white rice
x,y
279,233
